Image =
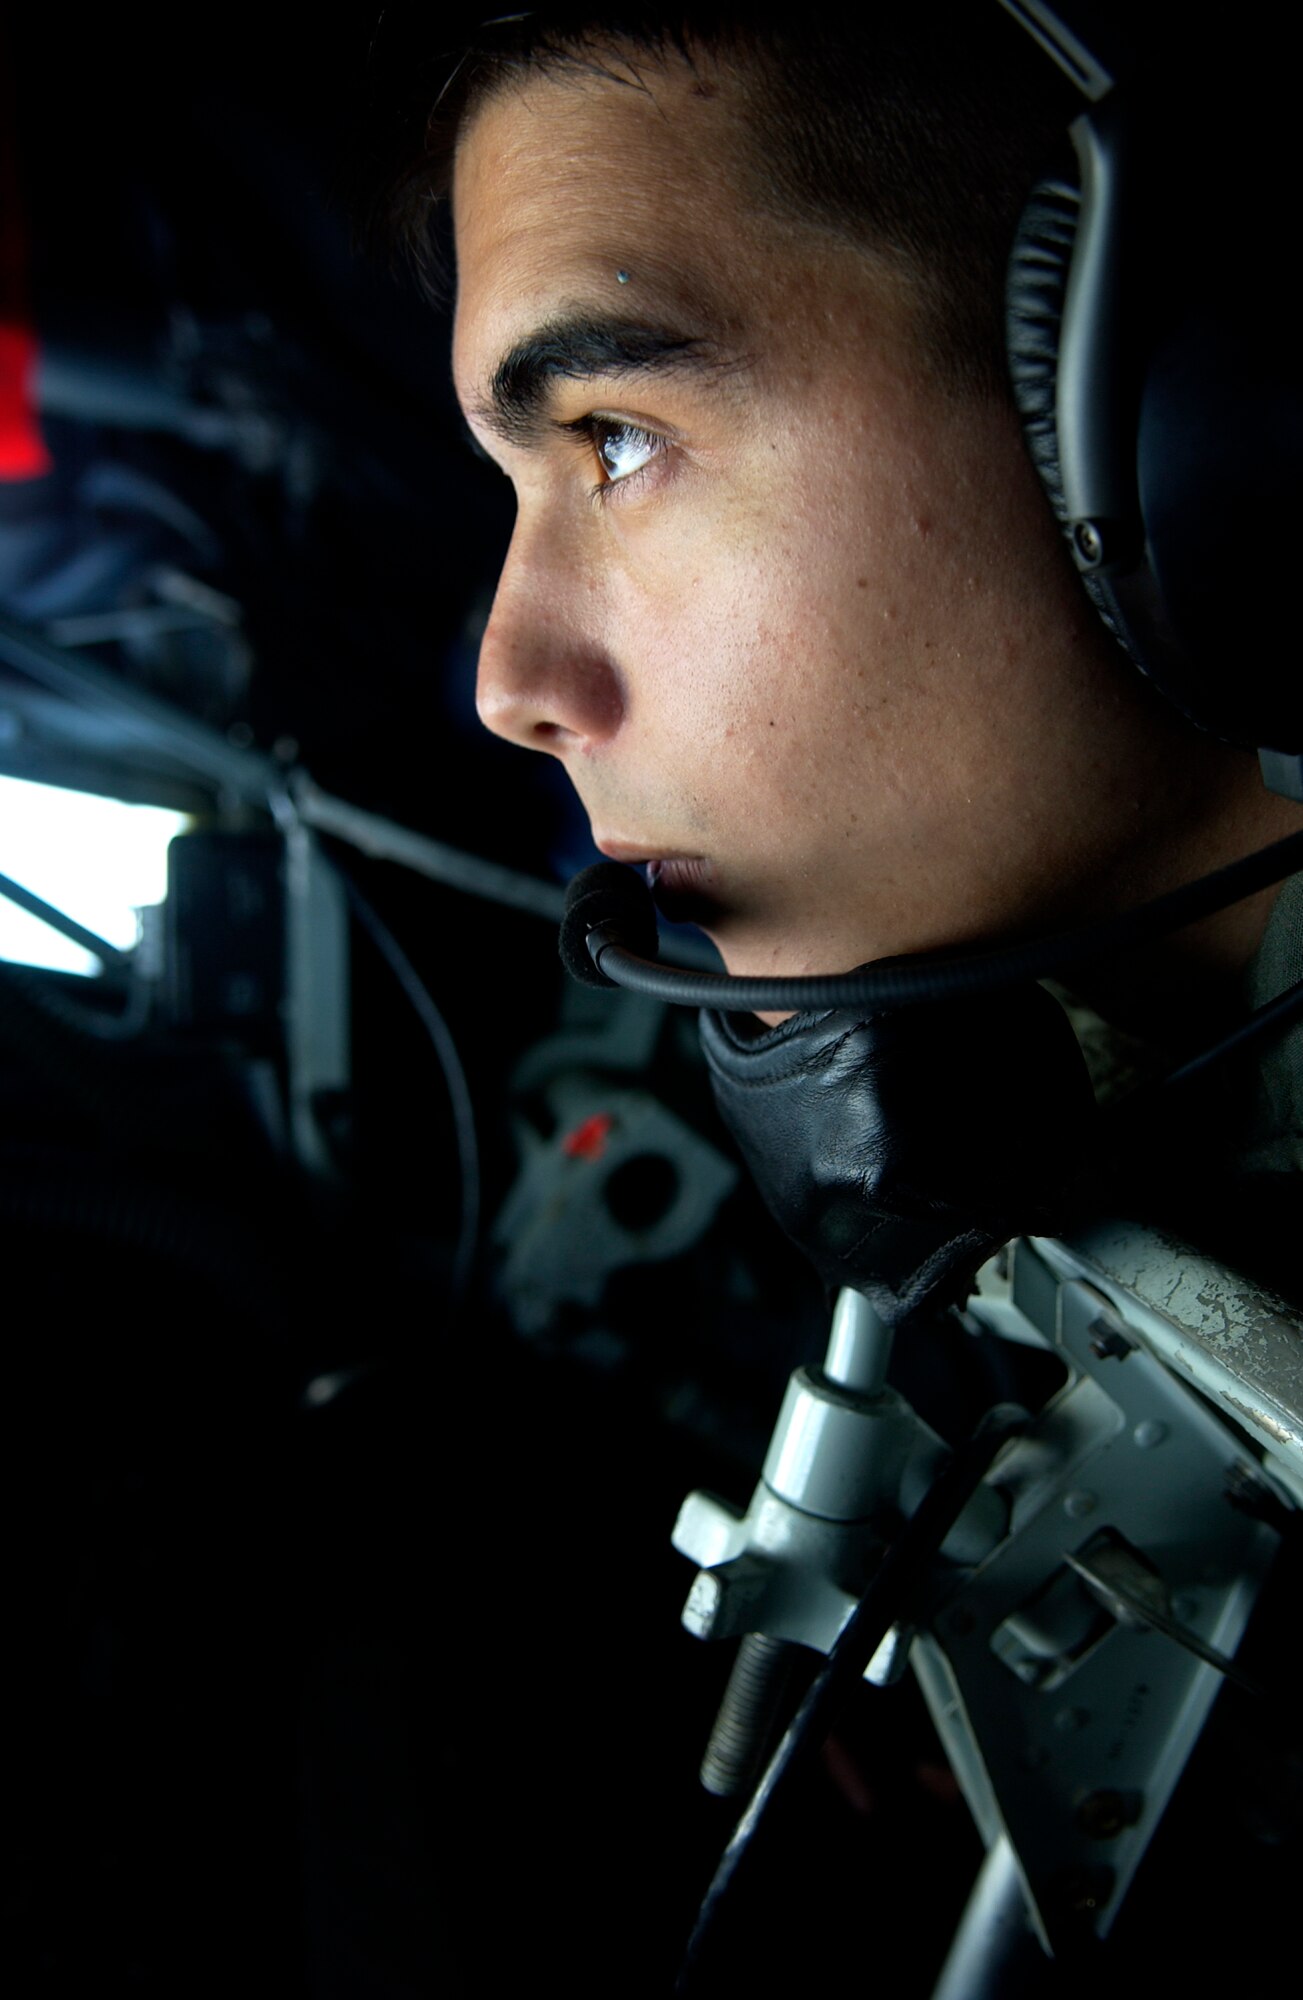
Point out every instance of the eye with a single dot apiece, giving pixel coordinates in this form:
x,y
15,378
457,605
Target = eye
x,y
622,449
624,452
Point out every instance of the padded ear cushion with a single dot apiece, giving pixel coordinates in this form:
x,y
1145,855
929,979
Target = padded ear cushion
x,y
1034,294
1035,291
1207,607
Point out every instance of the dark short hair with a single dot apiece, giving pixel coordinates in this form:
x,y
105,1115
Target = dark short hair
x,y
914,130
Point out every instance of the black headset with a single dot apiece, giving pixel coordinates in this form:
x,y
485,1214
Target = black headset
x,y
1154,367
1162,402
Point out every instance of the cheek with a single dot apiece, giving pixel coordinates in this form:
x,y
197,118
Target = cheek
x,y
750,655
786,637
721,655
749,713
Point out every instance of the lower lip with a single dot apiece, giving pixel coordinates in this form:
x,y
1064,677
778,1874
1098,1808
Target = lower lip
x,y
683,888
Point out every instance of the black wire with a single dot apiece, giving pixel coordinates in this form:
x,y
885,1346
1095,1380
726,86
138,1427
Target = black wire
x,y
908,980
454,1076
883,1604
111,956
1274,1014
1130,1111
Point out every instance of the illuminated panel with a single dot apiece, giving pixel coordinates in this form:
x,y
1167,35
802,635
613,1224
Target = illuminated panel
x,y
98,860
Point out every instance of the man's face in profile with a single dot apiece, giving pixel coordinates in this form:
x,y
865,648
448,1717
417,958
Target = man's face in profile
x,y
791,612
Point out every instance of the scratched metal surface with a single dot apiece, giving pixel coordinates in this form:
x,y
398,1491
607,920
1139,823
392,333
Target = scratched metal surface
x,y
1240,1345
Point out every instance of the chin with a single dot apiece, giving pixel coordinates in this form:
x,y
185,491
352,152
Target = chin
x,y
752,952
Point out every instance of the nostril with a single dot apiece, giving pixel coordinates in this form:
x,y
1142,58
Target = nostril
x,y
552,736
541,686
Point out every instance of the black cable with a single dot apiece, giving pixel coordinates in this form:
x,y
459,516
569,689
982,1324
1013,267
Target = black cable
x,y
906,980
1274,1014
884,1602
454,1076
110,956
1127,1113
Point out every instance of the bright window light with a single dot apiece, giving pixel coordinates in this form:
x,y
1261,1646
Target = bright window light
x,y
98,860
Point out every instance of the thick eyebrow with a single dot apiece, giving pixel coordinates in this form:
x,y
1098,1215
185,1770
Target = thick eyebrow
x,y
582,347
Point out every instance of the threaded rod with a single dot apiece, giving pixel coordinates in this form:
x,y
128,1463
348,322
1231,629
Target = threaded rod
x,y
747,1714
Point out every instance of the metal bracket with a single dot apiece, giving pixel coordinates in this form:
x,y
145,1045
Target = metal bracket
x,y
1067,1719
1091,1599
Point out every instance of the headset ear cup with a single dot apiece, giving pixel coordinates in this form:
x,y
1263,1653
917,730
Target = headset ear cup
x,y
1034,294
1035,291
1182,404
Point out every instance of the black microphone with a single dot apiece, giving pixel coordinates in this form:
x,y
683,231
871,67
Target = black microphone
x,y
610,903
609,938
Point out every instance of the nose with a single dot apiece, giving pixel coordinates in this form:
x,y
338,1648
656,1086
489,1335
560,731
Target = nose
x,y
546,680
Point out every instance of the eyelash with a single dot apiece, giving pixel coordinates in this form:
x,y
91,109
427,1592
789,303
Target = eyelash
x,y
593,431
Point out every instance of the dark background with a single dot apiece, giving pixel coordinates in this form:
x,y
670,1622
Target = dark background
x,y
382,1694
376,1688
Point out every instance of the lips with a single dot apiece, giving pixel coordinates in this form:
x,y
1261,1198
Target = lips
x,y
685,886
678,872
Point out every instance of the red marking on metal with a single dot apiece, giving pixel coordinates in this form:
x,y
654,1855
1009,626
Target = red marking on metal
x,y
588,1140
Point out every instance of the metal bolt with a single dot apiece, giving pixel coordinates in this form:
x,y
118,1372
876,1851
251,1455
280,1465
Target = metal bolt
x,y
1089,543
1077,1505
1150,1433
747,1714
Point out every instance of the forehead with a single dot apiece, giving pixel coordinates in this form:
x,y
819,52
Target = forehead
x,y
563,182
